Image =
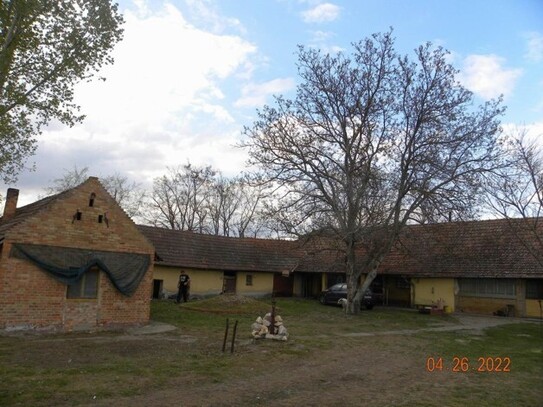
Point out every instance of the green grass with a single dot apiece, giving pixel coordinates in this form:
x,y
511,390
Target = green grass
x,y
72,369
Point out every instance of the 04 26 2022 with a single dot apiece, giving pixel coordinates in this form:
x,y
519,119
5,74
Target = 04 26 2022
x,y
462,364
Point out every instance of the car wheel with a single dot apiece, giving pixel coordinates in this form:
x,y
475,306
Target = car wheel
x,y
369,306
322,300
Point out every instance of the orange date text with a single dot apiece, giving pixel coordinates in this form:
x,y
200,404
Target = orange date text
x,y
459,364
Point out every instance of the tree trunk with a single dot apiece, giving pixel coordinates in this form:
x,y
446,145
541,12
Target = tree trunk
x,y
369,279
353,303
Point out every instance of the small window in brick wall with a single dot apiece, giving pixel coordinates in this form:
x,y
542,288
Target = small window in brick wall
x,y
91,199
249,279
86,287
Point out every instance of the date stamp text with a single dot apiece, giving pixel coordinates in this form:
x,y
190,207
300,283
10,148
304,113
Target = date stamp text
x,y
460,364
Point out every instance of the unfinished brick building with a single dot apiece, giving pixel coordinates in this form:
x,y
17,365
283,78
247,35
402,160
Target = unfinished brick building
x,y
73,261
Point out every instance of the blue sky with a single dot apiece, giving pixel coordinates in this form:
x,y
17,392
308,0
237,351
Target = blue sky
x,y
190,74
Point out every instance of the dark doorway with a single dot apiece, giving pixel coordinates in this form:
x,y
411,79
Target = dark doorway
x,y
311,285
157,288
229,282
282,285
397,290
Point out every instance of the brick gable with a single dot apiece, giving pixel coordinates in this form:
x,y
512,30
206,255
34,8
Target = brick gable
x,y
31,298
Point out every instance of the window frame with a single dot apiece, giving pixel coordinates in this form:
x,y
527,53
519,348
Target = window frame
x,y
534,289
487,287
79,290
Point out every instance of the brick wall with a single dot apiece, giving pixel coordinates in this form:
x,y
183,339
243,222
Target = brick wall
x,y
31,298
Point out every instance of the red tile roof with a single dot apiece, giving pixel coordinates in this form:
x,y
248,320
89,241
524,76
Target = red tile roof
x,y
193,250
27,211
490,248
462,249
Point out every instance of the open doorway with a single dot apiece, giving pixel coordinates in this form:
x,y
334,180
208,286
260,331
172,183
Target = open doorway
x,y
229,282
157,289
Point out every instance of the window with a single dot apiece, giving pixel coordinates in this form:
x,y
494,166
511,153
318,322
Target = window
x,y
534,289
86,287
249,279
487,287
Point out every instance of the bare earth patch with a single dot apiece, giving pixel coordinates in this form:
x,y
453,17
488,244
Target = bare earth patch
x,y
331,366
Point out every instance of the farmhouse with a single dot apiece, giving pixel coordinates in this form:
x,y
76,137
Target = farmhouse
x,y
491,266
75,260
480,266
217,264
72,261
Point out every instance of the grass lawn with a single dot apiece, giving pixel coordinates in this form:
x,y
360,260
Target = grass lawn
x,y
380,357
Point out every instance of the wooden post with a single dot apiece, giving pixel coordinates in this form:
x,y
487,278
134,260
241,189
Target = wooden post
x,y
234,337
226,335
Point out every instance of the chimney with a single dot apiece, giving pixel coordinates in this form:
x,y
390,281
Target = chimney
x,y
11,203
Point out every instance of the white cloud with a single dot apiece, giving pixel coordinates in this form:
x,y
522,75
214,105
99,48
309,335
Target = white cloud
x,y
255,95
485,76
322,40
321,13
533,132
204,13
162,104
534,45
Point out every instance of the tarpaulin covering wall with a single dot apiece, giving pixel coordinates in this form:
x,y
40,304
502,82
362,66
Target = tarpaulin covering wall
x,y
67,265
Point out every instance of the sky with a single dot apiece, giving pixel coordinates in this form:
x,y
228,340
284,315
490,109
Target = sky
x,y
190,74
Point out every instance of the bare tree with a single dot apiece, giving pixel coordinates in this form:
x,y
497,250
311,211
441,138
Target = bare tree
x,y
162,209
201,199
70,179
179,199
371,142
515,192
251,219
129,195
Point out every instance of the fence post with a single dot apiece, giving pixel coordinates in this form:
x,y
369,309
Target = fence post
x,y
225,336
234,336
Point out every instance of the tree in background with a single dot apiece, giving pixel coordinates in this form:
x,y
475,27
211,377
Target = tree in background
x,y
46,47
129,195
516,192
235,207
201,199
179,199
371,142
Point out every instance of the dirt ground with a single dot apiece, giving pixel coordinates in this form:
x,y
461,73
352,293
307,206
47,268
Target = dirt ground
x,y
365,370
350,369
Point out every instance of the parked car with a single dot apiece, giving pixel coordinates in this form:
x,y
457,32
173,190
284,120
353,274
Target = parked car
x,y
332,294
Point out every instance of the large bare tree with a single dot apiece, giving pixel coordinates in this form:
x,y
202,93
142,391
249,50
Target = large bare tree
x,y
372,141
46,47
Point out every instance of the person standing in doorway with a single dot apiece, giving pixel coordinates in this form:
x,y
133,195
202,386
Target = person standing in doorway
x,y
183,287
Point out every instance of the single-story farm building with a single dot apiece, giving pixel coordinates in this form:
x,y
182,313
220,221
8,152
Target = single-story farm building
x,y
75,260
478,266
